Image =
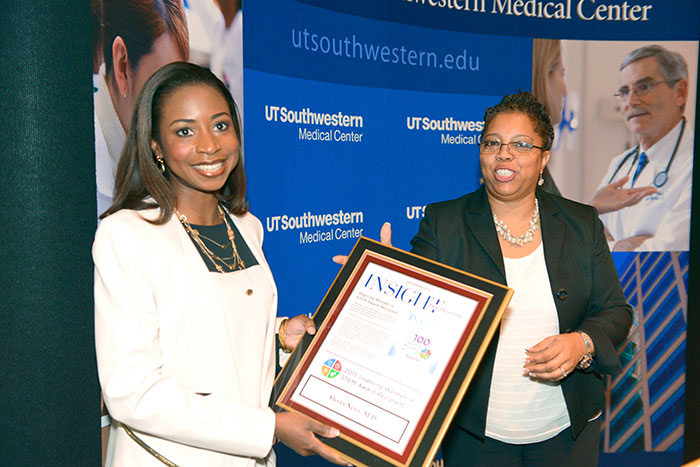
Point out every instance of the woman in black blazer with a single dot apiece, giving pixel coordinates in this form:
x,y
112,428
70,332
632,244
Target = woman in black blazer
x,y
497,232
538,395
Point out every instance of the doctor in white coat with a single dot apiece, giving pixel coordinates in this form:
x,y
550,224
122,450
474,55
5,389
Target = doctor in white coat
x,y
185,303
644,198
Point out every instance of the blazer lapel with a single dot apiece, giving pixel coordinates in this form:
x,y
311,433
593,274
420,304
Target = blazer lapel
x,y
479,220
553,235
256,249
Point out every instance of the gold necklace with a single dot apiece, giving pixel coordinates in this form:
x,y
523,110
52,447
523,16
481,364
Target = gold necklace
x,y
236,257
223,247
528,236
215,259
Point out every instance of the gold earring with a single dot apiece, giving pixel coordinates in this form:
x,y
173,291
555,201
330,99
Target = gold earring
x,y
540,181
161,163
481,180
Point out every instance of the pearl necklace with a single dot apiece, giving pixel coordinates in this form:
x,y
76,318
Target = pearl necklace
x,y
504,231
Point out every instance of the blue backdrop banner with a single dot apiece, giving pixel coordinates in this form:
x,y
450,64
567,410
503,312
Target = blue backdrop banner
x,y
359,113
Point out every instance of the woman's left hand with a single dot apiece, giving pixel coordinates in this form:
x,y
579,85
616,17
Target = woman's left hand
x,y
555,357
296,327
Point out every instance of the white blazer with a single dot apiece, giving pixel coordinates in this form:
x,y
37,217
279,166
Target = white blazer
x,y
158,321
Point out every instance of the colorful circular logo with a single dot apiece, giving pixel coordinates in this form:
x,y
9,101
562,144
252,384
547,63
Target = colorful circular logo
x,y
425,354
331,368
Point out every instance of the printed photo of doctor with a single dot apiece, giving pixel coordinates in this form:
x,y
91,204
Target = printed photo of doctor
x,y
626,136
644,198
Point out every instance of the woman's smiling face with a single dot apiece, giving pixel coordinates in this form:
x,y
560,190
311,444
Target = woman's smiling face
x,y
509,176
197,139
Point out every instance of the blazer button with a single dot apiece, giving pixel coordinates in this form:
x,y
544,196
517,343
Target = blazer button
x,y
561,294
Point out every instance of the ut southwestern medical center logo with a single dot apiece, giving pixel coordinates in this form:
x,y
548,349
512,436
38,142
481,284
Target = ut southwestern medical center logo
x,y
331,368
319,227
451,130
318,126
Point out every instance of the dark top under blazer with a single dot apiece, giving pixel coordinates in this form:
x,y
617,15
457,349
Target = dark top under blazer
x,y
582,275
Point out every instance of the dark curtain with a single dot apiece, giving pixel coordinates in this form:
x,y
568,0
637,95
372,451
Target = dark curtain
x,y
49,394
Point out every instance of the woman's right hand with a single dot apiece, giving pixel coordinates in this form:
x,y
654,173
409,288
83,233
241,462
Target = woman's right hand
x,y
299,433
384,237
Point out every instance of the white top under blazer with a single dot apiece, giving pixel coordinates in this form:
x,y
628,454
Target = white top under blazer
x,y
521,409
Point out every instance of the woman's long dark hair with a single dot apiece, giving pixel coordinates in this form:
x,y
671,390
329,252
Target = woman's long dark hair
x,y
138,177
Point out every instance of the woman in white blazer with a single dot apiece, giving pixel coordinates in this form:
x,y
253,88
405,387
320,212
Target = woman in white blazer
x,y
185,303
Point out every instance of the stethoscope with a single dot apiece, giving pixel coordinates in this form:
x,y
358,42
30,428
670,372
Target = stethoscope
x,y
662,177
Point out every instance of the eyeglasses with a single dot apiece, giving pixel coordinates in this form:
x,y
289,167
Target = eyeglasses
x,y
640,89
517,148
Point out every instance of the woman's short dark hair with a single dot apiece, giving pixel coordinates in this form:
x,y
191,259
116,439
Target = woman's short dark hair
x,y
524,103
138,176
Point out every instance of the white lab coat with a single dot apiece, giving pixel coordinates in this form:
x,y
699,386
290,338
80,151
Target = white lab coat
x,y
226,55
664,215
110,139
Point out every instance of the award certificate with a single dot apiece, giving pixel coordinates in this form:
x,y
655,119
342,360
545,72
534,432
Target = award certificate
x,y
398,340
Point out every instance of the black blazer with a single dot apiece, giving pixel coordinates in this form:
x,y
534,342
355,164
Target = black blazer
x,y
584,282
